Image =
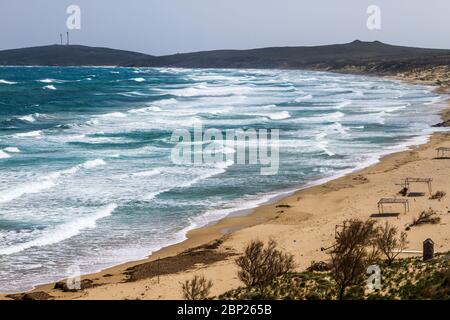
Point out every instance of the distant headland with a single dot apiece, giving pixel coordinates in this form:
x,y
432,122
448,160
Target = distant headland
x,y
355,57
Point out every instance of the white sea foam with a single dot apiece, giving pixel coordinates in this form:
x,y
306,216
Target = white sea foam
x,y
153,195
46,182
322,143
7,82
219,168
93,163
4,155
148,173
12,150
165,102
113,115
146,109
30,134
343,104
50,81
93,122
279,115
29,188
32,117
434,100
50,87
138,79
302,98
63,231
28,118
239,205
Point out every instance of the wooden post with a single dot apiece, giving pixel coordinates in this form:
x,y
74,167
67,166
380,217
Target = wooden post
x,y
428,249
158,269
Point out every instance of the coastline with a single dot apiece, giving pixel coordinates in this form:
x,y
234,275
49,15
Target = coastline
x,y
225,239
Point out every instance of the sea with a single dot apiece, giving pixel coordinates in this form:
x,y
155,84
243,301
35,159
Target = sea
x,y
87,177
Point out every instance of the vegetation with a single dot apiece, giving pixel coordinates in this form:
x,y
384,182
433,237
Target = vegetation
x,y
197,288
268,273
403,192
352,253
261,263
389,243
408,278
426,217
438,195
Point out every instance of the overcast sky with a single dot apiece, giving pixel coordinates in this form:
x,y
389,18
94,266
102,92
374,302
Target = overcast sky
x,y
170,26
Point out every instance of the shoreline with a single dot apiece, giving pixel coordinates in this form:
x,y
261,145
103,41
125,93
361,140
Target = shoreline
x,y
217,232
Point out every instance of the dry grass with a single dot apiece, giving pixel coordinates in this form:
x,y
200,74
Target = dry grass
x,y
197,288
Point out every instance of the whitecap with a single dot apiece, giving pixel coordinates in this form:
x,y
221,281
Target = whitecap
x,y
343,104
46,182
4,155
433,101
63,231
219,168
28,118
12,150
93,163
138,79
148,173
279,115
113,115
49,81
153,195
7,82
307,97
29,134
146,109
32,117
50,87
165,102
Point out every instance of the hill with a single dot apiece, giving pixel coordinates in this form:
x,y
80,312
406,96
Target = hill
x,y
367,56
73,55
355,57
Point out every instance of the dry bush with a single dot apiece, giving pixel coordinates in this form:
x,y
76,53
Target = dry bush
x,y
438,195
319,266
389,243
197,288
352,253
403,192
426,217
260,263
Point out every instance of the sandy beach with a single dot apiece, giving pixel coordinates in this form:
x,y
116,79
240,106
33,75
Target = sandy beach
x,y
301,224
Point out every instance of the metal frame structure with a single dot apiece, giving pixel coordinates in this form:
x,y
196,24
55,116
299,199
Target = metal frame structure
x,y
428,181
442,150
384,201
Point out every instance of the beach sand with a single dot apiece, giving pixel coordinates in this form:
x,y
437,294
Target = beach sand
x,y
301,224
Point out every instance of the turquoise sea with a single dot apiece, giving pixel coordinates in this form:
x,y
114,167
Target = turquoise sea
x,y
86,177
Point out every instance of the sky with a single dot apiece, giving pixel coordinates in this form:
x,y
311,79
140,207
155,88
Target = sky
x,y
161,27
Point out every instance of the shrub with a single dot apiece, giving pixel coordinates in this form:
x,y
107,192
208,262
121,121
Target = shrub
x,y
425,217
352,253
197,288
438,195
403,191
389,244
261,263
